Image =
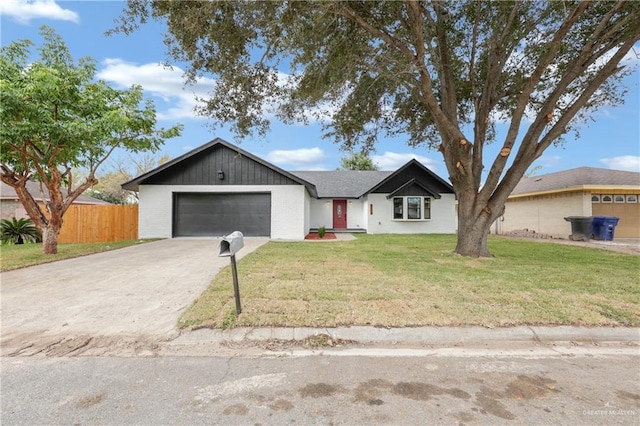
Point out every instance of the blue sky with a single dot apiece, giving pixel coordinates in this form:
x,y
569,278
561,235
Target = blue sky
x,y
611,141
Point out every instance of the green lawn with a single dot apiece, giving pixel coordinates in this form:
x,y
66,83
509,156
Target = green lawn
x,y
414,280
20,256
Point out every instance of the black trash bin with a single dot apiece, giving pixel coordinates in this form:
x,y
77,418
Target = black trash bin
x,y
580,227
603,227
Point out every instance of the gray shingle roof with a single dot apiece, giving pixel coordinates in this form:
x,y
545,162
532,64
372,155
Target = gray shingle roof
x,y
343,183
8,193
576,177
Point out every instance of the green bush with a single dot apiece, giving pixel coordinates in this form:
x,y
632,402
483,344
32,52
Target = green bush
x,y
18,231
321,231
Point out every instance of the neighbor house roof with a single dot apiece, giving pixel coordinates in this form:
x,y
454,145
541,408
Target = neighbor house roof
x,y
576,179
343,183
8,193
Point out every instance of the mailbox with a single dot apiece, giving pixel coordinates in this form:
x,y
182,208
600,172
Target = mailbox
x,y
231,244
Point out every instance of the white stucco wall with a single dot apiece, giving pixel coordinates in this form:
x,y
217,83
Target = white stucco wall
x,y
355,214
443,217
287,208
320,213
545,213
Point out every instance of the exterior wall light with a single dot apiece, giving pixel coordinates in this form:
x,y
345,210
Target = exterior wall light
x,y
220,175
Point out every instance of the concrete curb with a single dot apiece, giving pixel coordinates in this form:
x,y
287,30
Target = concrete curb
x,y
423,335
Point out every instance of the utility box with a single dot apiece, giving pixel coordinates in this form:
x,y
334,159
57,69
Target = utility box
x,y
580,227
231,244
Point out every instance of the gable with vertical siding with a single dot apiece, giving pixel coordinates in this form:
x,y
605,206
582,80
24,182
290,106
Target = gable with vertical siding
x,y
201,167
203,170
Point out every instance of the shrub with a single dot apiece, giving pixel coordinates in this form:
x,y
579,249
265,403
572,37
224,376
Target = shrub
x,y
321,231
18,231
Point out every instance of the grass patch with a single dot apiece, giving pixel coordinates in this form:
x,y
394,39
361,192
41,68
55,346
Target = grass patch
x,y
415,280
23,255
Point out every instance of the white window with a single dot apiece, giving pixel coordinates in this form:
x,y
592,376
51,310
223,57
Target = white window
x,y
411,208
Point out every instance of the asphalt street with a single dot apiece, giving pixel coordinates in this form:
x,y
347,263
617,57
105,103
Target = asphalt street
x,y
355,386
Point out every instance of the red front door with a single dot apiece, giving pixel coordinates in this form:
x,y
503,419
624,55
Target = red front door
x,y
339,214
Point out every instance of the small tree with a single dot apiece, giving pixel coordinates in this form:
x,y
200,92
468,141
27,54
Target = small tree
x,y
54,117
358,161
18,231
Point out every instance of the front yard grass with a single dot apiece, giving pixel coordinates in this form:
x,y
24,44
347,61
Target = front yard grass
x,y
416,280
23,255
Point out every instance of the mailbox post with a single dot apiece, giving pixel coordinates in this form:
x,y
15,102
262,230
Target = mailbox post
x,y
229,246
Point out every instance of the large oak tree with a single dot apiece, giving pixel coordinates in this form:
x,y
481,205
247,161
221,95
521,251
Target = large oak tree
x,y
56,118
443,73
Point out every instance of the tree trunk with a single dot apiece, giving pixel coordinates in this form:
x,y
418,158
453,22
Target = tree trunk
x,y
51,231
472,240
50,240
473,229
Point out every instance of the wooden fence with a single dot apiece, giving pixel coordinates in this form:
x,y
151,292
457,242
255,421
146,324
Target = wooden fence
x,y
99,224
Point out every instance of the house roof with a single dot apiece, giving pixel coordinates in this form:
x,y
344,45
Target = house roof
x,y
8,193
343,183
415,165
320,184
133,184
576,178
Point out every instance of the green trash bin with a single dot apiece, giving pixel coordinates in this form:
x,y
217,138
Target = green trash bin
x,y
580,227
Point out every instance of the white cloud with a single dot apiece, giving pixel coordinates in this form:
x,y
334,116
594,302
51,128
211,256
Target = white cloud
x,y
159,81
296,157
395,160
167,84
24,11
630,163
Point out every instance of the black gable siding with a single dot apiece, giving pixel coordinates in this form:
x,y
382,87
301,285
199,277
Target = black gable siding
x,y
409,173
412,191
202,169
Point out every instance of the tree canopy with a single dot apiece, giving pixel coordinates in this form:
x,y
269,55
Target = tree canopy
x,y
443,74
358,161
55,117
120,170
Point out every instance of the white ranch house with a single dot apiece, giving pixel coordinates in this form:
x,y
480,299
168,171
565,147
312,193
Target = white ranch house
x,y
218,188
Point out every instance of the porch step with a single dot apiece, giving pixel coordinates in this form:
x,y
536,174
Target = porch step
x,y
342,230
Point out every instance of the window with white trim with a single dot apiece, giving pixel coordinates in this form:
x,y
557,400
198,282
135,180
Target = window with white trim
x,y
411,208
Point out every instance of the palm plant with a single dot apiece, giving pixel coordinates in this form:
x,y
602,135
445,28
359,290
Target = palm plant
x,y
18,231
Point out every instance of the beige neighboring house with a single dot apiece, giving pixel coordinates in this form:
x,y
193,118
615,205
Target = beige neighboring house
x,y
10,205
540,203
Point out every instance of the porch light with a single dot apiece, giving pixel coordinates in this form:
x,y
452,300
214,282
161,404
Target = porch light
x,y
220,175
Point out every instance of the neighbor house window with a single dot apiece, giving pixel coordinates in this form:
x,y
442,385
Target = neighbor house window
x,y
632,199
595,198
619,198
411,208
607,198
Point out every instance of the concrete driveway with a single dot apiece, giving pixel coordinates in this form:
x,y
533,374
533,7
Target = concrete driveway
x,y
133,295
